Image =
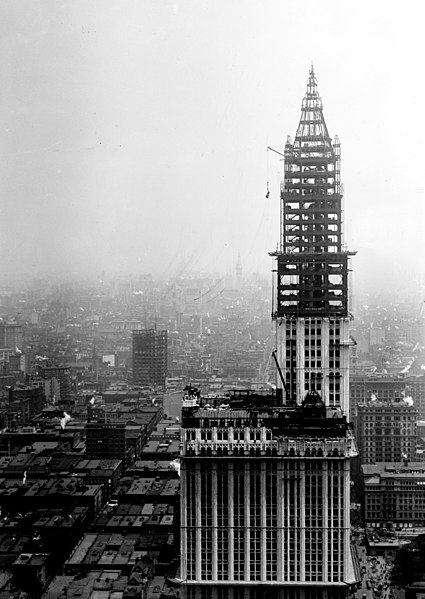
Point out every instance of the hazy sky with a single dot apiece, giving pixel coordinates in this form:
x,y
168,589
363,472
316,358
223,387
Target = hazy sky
x,y
134,133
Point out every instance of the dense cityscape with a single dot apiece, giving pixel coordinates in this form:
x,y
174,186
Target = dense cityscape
x,y
89,488
178,420
93,438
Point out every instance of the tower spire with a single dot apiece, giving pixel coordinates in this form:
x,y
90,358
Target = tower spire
x,y
312,81
312,126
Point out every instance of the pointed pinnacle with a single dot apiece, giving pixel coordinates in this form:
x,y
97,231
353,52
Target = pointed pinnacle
x,y
312,81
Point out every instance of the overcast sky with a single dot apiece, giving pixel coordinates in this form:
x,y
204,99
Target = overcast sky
x,y
134,133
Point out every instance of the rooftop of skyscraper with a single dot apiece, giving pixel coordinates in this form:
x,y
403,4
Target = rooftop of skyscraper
x,y
256,408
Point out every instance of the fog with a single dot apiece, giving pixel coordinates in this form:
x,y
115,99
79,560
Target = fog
x,y
134,133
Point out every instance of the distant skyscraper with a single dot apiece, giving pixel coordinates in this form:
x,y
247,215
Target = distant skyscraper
x,y
239,272
32,396
386,430
150,357
265,478
11,335
364,387
60,385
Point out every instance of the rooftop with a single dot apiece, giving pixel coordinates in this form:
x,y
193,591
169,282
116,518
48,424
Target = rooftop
x,y
33,559
263,408
148,486
117,549
380,404
395,469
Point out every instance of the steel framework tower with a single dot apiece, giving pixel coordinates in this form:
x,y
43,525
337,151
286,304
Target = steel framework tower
x,y
311,309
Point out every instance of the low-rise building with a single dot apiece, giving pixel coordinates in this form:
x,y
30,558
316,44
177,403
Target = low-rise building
x,y
153,468
161,449
22,494
394,494
120,551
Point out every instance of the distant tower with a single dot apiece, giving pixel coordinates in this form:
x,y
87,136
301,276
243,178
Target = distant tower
x,y
239,272
95,363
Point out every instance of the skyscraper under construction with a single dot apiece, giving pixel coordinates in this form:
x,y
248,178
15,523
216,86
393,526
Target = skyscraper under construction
x,y
265,477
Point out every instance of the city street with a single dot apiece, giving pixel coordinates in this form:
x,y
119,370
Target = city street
x,y
375,576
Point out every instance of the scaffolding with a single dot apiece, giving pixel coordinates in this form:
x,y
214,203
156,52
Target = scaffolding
x,y
312,266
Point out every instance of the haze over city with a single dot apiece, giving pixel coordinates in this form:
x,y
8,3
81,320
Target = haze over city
x,y
212,360
134,134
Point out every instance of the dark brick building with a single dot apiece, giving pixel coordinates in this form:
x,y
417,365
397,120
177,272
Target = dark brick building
x,y
149,357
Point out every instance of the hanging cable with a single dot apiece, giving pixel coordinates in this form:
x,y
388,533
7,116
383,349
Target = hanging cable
x,y
268,188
